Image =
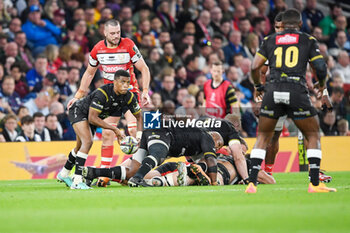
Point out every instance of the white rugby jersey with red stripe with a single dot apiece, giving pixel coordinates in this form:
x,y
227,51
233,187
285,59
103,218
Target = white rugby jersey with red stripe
x,y
113,59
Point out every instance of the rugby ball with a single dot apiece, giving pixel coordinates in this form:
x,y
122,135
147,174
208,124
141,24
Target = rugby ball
x,y
129,145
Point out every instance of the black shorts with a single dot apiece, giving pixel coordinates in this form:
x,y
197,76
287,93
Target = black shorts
x,y
290,99
150,136
75,115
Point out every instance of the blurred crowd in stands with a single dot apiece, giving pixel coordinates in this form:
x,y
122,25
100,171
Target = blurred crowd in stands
x,y
44,50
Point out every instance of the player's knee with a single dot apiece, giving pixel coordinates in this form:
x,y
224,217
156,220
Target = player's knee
x,y
158,151
107,135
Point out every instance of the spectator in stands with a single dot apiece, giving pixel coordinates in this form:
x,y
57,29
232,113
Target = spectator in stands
x,y
234,47
62,84
181,93
167,14
259,27
250,119
22,112
328,124
203,28
205,50
327,23
343,128
59,18
251,45
51,52
21,86
39,104
187,109
239,12
23,50
97,35
39,126
216,17
153,62
78,14
200,80
245,28
40,33
35,76
168,91
73,78
51,124
343,66
127,28
157,101
106,14
313,15
10,125
338,101
181,77
341,42
15,26
9,94
216,45
28,131
192,70
262,7
78,35
125,13
318,34
10,51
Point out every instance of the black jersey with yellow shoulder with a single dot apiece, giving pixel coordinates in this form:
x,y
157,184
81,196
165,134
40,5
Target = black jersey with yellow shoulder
x,y
107,102
226,129
288,53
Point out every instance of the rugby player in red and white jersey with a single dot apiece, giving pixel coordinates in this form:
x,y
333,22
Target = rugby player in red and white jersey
x,y
109,55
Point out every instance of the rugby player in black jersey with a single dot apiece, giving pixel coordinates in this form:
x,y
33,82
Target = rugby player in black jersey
x,y
88,113
285,92
273,146
158,144
232,140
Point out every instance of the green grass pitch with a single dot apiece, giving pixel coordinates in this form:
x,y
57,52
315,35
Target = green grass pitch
x,y
48,206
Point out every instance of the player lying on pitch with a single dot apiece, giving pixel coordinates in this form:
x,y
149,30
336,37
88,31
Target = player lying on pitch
x,y
88,113
180,174
158,144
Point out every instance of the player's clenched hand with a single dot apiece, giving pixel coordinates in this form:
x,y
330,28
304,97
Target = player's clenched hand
x,y
71,102
145,99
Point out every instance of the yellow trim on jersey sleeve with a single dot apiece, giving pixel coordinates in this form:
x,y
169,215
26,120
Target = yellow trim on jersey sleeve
x,y
231,98
316,57
137,112
261,56
231,91
210,153
98,110
266,37
100,89
132,95
312,38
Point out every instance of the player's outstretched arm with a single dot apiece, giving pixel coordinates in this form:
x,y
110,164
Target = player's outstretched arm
x,y
95,120
84,84
146,78
258,62
239,159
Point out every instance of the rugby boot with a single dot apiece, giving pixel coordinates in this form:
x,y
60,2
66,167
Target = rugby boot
x,y
201,177
321,188
251,188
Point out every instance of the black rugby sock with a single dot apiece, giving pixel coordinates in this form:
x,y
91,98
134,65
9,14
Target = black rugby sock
x,y
147,165
314,164
70,162
256,165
